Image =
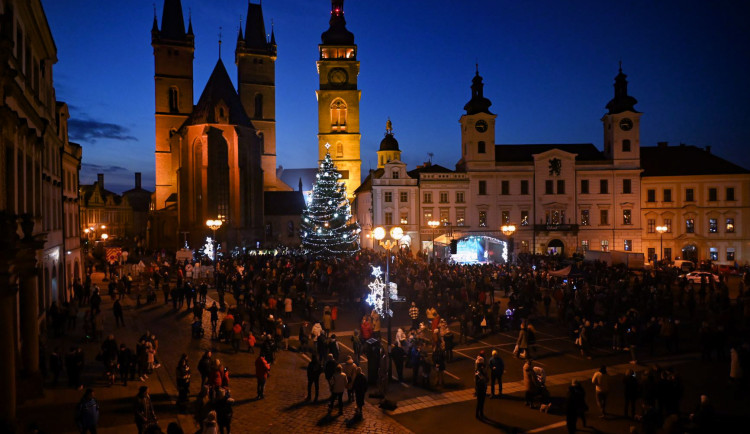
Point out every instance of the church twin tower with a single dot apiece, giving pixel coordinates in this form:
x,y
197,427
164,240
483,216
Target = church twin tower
x,y
255,58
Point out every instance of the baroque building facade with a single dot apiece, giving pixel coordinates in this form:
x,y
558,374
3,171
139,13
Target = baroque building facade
x,y
39,167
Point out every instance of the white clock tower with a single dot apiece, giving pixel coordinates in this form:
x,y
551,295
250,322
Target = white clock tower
x,y
478,129
622,126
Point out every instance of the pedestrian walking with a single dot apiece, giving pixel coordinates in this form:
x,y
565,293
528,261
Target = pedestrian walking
x,y
360,390
575,406
601,383
497,369
144,410
338,384
87,413
262,372
480,389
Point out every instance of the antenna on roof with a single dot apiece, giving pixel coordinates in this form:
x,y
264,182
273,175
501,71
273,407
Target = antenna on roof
x,y
430,154
220,29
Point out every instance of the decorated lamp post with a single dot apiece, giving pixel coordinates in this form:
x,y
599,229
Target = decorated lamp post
x,y
214,225
433,224
661,230
508,231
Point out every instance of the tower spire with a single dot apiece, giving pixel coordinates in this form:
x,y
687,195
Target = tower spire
x,y
220,28
155,26
622,101
190,22
173,21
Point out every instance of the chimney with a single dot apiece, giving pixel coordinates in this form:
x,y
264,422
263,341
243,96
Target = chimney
x,y
100,180
662,144
708,149
138,180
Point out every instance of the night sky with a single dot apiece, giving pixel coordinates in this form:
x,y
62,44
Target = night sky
x,y
548,67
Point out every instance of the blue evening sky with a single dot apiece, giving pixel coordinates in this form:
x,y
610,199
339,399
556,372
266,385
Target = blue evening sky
x,y
548,67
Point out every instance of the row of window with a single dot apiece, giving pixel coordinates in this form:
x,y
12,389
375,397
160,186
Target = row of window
x,y
442,196
627,245
713,253
549,187
713,225
713,194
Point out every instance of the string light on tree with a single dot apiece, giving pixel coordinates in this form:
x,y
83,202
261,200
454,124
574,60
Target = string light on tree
x,y
327,229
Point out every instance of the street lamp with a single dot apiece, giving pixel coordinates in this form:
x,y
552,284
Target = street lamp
x,y
508,230
104,237
661,230
396,234
433,224
214,225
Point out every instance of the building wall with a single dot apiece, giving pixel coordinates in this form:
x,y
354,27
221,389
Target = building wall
x,y
393,183
701,210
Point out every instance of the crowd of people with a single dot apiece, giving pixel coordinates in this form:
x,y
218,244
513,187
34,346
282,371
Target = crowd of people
x,y
601,307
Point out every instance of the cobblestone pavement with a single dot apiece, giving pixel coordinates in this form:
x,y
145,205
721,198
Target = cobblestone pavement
x,y
282,410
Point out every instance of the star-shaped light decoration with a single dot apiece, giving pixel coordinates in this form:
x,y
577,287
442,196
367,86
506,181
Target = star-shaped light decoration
x,y
376,271
375,299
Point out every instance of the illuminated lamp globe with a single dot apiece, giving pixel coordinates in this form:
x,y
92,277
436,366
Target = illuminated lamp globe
x,y
397,233
378,233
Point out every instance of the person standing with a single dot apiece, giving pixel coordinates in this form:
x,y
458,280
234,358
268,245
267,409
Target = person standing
x,y
630,390
204,366
87,413
313,377
414,315
356,345
56,364
522,343
350,369
398,355
144,410
360,390
480,386
183,381
497,369
124,360
338,385
262,372
224,412
117,311
601,383
575,406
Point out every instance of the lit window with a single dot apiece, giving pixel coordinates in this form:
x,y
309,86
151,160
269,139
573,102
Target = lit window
x,y
404,219
690,226
483,219
713,226
713,253
730,226
524,218
505,217
444,215
668,224
460,216
426,215
627,217
730,254
585,219
628,245
585,245
338,115
605,245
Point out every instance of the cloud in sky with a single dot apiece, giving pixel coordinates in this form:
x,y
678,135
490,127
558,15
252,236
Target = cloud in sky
x,y
90,130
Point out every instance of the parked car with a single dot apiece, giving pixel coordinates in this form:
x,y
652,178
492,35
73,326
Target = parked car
x,y
696,276
684,266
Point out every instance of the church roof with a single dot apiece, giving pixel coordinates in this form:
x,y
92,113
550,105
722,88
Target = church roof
x,y
478,103
255,30
685,160
219,88
622,102
283,203
172,21
519,153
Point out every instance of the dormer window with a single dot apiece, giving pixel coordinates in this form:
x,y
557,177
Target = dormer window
x,y
394,175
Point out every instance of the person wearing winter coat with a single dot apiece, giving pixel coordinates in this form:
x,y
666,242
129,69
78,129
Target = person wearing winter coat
x,y
224,412
144,410
87,413
333,347
262,372
356,345
575,406
329,368
349,368
204,366
210,426
630,392
480,389
338,385
360,389
313,377
497,369
398,355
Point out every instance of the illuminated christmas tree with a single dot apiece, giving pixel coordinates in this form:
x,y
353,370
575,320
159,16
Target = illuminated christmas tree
x,y
326,227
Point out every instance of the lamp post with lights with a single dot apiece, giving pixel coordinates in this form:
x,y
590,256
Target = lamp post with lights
x,y
214,225
396,234
661,230
508,230
433,224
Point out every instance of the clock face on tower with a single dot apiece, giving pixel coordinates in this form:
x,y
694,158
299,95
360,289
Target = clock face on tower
x,y
338,76
626,124
481,125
